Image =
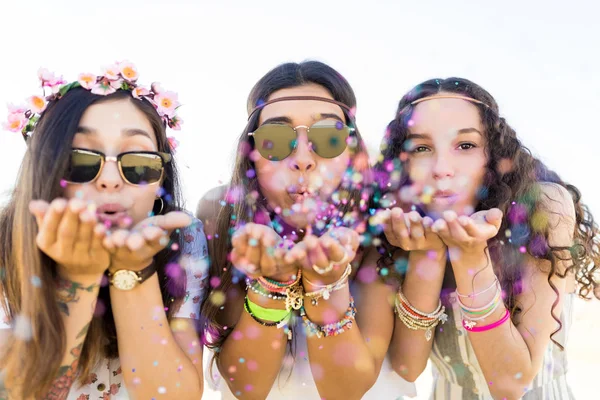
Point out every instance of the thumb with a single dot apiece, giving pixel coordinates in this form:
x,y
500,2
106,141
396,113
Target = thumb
x,y
168,222
494,217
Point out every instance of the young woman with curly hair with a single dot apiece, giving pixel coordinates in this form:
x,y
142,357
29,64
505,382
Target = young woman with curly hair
x,y
492,245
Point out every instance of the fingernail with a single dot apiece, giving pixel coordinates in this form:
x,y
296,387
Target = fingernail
x,y
60,205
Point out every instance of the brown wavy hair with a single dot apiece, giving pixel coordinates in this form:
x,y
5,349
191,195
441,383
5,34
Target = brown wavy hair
x,y
515,191
33,364
240,206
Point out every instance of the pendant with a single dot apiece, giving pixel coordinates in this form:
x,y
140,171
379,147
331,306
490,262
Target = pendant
x,y
428,334
326,295
469,324
293,301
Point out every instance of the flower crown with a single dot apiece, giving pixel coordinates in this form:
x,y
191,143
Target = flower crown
x,y
120,76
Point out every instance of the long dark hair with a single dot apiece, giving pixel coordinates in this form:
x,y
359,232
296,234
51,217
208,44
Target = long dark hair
x,y
513,190
34,363
239,209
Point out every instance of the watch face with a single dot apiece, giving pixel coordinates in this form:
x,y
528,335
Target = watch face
x,y
125,280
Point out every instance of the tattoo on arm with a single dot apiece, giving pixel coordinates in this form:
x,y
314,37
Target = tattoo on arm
x,y
67,374
66,292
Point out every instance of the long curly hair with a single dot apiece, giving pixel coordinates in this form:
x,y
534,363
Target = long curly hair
x,y
515,190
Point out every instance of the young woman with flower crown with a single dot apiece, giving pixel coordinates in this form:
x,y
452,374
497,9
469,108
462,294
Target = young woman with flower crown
x,y
505,241
284,247
100,295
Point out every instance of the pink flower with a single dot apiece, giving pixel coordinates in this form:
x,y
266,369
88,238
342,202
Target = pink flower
x,y
111,72
87,81
140,91
166,103
37,104
12,109
16,122
103,88
128,71
116,84
173,143
50,80
156,88
175,123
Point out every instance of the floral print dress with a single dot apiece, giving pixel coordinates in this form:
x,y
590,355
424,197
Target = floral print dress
x,y
106,382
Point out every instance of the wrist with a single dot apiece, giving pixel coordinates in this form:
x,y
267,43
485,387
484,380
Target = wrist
x,y
82,279
117,266
468,259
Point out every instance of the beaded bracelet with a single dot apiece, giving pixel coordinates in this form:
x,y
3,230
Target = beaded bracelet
x,y
418,320
279,287
333,329
324,291
258,289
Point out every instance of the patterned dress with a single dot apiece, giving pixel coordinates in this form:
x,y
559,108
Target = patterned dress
x,y
106,382
457,374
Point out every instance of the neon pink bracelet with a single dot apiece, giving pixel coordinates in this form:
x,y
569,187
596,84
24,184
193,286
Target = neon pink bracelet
x,y
484,328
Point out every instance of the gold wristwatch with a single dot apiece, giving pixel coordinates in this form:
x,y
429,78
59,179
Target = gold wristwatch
x,y
125,279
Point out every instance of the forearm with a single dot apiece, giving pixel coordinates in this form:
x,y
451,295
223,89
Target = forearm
x,y
410,349
76,298
149,354
502,353
262,349
343,366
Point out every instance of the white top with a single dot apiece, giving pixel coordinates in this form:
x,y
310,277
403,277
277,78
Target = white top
x,y
106,381
301,384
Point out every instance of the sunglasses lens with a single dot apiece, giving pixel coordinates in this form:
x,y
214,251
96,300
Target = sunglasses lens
x,y
141,168
328,138
83,167
274,142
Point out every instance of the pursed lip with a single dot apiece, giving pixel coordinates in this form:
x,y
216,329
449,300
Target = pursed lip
x,y
444,197
111,212
298,193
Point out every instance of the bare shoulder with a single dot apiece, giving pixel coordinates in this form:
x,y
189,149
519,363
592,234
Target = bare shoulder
x,y
209,205
557,202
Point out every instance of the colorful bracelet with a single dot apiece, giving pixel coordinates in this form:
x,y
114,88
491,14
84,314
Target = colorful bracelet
x,y
418,320
333,329
282,323
324,291
279,287
472,328
472,315
258,289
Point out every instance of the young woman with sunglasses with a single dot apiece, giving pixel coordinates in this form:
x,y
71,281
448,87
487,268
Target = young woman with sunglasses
x,y
102,273
283,241
505,241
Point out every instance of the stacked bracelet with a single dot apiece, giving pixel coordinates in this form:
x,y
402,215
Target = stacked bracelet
x,y
258,289
333,329
472,315
269,316
324,291
290,291
418,320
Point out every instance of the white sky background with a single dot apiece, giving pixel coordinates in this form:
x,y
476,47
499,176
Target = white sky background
x,y
538,58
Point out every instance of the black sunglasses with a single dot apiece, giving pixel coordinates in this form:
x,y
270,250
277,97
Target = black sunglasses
x,y
135,167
